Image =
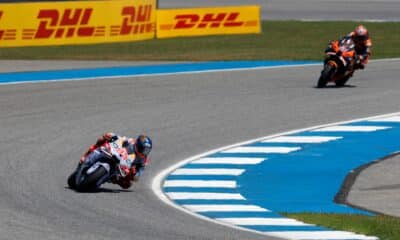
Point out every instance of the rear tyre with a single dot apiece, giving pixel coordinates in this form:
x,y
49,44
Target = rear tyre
x,y
342,82
90,182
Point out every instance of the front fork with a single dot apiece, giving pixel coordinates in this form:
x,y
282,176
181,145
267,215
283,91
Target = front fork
x,y
331,69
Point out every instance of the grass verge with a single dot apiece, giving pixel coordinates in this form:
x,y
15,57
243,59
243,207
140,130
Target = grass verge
x,y
384,227
279,40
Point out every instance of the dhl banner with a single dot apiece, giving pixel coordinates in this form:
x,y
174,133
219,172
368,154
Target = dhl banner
x,y
208,21
81,22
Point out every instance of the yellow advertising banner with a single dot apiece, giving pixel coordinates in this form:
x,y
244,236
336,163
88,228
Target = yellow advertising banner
x,y
208,21
81,22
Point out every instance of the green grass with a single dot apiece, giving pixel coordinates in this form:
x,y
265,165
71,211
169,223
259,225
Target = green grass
x,y
384,227
279,40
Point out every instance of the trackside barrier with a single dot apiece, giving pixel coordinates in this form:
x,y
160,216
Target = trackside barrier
x,y
81,22
208,21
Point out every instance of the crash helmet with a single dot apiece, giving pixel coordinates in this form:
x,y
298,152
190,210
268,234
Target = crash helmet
x,y
143,145
346,44
360,34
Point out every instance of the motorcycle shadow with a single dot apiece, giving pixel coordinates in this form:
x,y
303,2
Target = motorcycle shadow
x,y
103,190
334,86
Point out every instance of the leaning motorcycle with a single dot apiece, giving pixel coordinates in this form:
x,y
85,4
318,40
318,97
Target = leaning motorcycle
x,y
98,168
339,63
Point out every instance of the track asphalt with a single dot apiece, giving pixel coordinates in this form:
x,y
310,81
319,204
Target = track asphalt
x,y
48,126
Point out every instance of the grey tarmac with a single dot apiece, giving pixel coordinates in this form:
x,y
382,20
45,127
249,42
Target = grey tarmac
x,y
47,126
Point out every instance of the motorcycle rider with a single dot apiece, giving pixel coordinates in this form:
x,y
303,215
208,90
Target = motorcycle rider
x,y
363,45
138,151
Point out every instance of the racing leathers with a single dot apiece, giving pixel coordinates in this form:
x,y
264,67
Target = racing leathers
x,y
131,162
362,48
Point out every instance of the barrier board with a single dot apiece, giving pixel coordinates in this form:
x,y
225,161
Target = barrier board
x,y
81,22
208,21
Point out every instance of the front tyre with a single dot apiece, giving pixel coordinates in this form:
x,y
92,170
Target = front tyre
x,y
71,180
90,181
326,75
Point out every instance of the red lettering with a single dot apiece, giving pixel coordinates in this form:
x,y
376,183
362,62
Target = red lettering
x,y
144,13
230,21
72,23
186,21
132,15
43,31
214,21
1,31
126,27
208,20
86,16
60,32
70,32
68,19
149,27
86,31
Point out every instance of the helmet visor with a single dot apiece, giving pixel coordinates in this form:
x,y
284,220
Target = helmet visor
x,y
144,148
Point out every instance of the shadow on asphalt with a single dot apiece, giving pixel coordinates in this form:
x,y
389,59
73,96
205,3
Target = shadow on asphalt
x,y
102,190
334,86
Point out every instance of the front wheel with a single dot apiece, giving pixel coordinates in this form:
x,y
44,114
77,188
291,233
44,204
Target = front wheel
x,y
326,75
90,181
71,180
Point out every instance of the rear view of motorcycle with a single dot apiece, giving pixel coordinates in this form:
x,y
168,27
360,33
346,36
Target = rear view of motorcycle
x,y
339,63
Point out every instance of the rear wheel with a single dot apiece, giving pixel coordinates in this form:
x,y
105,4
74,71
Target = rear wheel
x,y
89,182
342,82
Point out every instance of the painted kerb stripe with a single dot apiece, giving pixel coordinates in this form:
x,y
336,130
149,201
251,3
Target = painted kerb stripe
x,y
285,234
208,171
230,160
200,183
224,208
262,150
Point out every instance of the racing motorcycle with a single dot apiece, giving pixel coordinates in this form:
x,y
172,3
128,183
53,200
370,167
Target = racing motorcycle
x,y
99,167
339,63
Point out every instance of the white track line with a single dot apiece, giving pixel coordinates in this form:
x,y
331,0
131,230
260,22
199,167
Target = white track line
x,y
208,171
318,235
388,119
204,196
350,129
200,183
301,139
230,160
262,150
264,222
224,208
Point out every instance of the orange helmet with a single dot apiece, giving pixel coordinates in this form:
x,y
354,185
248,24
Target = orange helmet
x,y
360,34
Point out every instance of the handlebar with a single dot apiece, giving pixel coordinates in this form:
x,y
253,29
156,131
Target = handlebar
x,y
115,156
